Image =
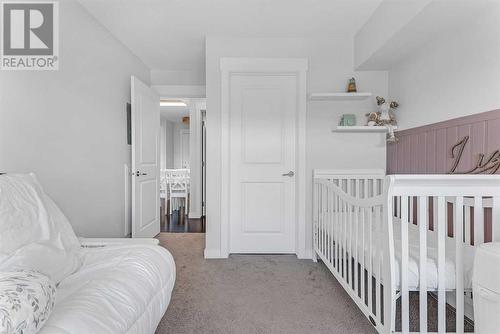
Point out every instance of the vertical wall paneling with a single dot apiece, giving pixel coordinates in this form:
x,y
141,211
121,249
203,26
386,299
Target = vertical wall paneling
x,y
427,149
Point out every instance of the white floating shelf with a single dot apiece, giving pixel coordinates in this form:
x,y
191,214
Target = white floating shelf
x,y
338,96
362,128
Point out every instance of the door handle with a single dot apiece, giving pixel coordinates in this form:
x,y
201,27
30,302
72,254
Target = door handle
x,y
139,173
289,174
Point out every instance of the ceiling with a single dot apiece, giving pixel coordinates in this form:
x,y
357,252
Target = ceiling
x,y
170,34
174,114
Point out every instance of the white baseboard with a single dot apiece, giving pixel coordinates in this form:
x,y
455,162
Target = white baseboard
x,y
213,254
194,215
306,254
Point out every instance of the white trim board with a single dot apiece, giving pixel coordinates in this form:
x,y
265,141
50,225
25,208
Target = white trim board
x,y
281,66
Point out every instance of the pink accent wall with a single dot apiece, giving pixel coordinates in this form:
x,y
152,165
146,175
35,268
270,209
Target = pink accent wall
x,y
427,149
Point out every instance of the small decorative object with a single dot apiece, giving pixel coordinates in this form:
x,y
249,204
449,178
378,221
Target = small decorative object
x,y
348,120
372,118
386,113
391,136
483,164
351,88
384,117
185,120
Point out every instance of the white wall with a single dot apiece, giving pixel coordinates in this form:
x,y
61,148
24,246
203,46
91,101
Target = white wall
x,y
456,74
177,143
180,77
69,126
375,33
163,143
330,66
168,127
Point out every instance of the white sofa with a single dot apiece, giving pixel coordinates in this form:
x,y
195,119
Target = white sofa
x,y
103,285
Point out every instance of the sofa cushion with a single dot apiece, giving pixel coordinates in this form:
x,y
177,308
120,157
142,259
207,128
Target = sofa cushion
x,y
34,233
26,300
116,288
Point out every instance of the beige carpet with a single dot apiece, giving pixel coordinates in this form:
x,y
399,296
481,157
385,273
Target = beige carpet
x,y
254,294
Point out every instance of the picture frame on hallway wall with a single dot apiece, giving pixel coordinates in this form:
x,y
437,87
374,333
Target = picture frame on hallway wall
x,y
129,123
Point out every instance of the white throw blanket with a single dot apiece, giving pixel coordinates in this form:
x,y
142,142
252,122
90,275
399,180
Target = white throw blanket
x,y
34,233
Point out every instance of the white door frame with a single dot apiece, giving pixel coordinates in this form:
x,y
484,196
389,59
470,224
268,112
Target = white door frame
x,y
277,66
182,132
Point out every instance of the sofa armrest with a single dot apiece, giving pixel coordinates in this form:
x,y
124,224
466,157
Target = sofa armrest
x,y
103,242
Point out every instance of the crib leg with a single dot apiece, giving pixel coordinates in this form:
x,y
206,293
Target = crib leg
x,y
314,256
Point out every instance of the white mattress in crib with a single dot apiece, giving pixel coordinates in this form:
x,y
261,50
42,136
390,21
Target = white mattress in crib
x,y
414,258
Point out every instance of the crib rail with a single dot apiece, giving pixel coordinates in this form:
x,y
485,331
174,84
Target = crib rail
x,y
441,206
348,218
370,230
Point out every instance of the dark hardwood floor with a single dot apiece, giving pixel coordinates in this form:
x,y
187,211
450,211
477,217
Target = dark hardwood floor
x,y
178,222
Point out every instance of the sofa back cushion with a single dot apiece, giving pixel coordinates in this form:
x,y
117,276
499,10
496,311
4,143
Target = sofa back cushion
x,y
34,233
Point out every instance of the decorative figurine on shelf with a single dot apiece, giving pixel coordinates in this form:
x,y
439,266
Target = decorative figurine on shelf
x,y
348,120
387,117
391,136
372,118
351,88
386,113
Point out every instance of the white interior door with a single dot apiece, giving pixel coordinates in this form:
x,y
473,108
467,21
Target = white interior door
x,y
262,120
145,160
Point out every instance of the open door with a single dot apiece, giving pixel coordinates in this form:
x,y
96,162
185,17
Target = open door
x,y
145,161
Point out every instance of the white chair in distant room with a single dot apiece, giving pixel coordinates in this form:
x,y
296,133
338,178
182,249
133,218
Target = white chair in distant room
x,y
163,184
178,188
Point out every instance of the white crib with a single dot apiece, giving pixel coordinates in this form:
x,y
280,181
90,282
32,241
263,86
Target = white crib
x,y
384,236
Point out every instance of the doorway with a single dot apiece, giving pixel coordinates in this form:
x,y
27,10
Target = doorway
x,y
263,156
181,165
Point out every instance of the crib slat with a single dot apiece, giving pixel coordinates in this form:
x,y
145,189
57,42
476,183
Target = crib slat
x,y
349,245
320,215
344,242
363,219
332,225
405,304
411,209
329,226
478,221
398,207
315,216
370,259
441,237
422,225
467,227
336,234
323,222
339,236
356,247
365,186
325,217
378,256
459,275
434,213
